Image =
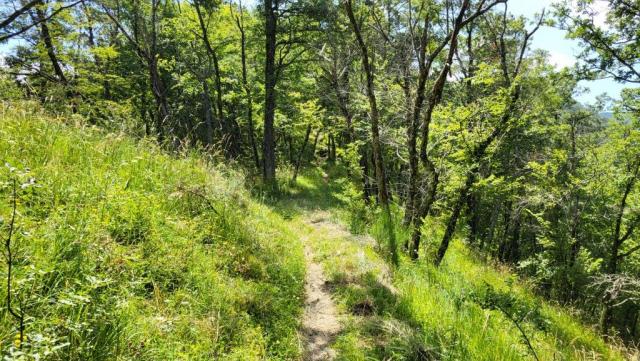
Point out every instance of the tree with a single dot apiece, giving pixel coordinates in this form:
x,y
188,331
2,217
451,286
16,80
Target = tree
x,y
143,37
612,51
286,24
16,23
381,182
425,62
514,91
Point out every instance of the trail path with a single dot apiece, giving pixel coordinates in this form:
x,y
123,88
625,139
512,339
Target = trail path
x,y
320,323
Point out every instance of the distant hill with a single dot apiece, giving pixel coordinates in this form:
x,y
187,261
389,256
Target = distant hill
x,y
606,115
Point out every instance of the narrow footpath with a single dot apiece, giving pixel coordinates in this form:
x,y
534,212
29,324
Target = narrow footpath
x,y
320,323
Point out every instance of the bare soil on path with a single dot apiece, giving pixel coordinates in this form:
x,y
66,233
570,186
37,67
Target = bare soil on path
x,y
321,323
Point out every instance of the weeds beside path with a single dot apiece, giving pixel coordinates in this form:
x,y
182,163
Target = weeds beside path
x,y
357,307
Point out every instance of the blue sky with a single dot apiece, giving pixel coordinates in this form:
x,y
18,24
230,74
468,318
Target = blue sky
x,y
562,51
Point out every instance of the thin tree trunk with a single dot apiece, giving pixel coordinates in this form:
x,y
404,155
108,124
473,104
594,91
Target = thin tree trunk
x,y
247,88
606,318
157,87
48,43
412,188
304,146
269,152
289,139
453,219
478,153
473,209
315,143
208,116
383,196
229,141
366,185
423,211
480,150
149,55
157,84
434,98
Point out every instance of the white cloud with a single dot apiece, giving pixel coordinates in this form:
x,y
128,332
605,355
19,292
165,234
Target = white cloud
x,y
561,60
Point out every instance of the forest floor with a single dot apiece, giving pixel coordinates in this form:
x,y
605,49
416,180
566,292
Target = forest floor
x,y
178,261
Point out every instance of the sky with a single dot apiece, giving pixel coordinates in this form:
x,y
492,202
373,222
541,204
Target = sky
x,y
562,51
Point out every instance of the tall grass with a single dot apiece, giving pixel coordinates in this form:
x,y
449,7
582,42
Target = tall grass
x,y
463,310
125,252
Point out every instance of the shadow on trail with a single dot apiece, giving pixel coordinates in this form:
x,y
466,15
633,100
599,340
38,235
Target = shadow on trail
x,y
382,317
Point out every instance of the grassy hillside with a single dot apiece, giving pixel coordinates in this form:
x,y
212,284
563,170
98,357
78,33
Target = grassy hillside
x,y
123,252
463,310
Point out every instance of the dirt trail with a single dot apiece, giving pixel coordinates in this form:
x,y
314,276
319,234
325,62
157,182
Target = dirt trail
x,y
321,319
321,221
320,323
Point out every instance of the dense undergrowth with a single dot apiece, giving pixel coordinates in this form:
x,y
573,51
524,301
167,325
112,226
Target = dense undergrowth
x,y
121,251
466,309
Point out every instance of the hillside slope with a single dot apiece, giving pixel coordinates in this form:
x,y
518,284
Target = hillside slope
x,y
466,309
123,252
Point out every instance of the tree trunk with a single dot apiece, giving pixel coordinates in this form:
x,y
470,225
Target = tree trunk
x,y
269,151
304,146
453,219
289,139
411,123
434,98
473,208
48,44
315,144
208,115
157,85
478,153
617,241
247,88
373,110
162,106
331,148
229,141
366,185
423,211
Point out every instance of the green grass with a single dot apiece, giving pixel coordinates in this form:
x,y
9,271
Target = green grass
x,y
124,252
446,313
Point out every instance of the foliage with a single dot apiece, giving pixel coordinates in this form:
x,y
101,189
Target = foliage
x,y
125,252
439,120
